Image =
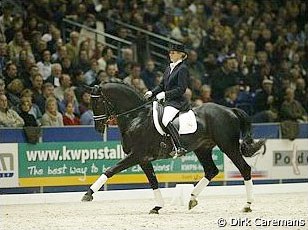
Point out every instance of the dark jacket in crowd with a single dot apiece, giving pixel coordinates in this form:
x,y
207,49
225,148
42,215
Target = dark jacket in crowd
x,y
29,119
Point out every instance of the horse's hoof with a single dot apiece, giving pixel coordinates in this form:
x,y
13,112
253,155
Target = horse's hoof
x,y
192,203
87,197
247,209
155,210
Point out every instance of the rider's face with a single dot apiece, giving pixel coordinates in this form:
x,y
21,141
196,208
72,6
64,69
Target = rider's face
x,y
175,55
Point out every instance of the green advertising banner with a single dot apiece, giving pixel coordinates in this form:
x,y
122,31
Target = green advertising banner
x,y
77,163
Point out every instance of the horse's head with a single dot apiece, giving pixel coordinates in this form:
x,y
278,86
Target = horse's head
x,y
111,99
100,110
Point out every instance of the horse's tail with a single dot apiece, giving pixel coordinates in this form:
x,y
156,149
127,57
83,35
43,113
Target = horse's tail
x,y
245,124
248,147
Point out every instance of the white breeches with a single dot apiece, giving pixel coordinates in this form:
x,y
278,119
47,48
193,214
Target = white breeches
x,y
169,113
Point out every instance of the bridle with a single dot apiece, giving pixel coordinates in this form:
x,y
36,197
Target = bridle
x,y
110,110
108,106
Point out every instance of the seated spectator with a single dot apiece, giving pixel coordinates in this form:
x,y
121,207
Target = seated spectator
x,y
37,86
78,83
85,102
148,75
59,55
195,67
83,61
69,118
67,66
292,109
8,117
10,73
86,112
48,91
14,90
188,96
69,97
265,98
87,118
206,94
25,114
34,109
44,66
230,97
126,71
112,70
101,77
301,93
2,87
65,83
29,73
107,56
72,46
91,74
223,78
265,116
196,85
52,117
127,57
56,72
197,102
134,79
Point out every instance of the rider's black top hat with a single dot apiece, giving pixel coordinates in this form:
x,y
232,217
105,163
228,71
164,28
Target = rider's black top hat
x,y
178,47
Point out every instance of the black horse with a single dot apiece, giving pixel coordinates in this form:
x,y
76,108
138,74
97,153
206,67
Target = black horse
x,y
216,125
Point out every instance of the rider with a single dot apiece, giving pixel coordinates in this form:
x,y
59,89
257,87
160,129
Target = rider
x,y
171,90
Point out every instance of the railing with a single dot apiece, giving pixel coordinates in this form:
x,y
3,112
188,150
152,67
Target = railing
x,y
117,44
145,44
156,46
88,133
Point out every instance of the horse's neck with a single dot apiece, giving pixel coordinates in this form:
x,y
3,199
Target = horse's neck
x,y
132,123
124,98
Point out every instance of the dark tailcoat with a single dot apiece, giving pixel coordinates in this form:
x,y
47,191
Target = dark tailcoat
x,y
175,85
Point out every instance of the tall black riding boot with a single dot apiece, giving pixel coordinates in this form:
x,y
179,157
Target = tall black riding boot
x,y
176,139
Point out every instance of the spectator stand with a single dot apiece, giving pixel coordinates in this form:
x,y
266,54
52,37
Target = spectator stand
x,y
149,44
99,36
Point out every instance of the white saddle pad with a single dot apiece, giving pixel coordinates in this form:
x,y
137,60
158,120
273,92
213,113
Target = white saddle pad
x,y
187,121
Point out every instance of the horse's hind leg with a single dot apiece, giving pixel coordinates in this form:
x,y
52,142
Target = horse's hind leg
x,y
245,171
204,156
148,169
129,161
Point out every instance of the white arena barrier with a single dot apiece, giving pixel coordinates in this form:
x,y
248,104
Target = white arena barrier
x,y
178,195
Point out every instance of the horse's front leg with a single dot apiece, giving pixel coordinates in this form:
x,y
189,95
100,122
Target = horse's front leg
x,y
129,161
148,169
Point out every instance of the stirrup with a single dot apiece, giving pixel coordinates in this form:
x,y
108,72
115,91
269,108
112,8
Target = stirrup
x,y
179,152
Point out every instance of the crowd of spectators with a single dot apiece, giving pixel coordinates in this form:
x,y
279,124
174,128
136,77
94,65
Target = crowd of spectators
x,y
248,54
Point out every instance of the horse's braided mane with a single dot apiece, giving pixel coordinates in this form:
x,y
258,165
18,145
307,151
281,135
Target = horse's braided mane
x,y
121,82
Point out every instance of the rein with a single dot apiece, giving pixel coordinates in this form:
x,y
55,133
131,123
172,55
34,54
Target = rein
x,y
133,110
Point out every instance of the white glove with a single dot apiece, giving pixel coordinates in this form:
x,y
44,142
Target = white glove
x,y
147,95
161,96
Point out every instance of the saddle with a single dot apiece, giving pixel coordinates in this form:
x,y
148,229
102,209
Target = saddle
x,y
185,122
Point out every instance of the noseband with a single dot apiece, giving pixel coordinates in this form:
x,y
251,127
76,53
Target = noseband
x,y
109,107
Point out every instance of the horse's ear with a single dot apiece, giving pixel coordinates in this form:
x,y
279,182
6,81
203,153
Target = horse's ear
x,y
96,89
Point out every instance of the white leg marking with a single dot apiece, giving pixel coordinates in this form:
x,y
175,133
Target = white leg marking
x,y
158,198
249,191
99,183
199,187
